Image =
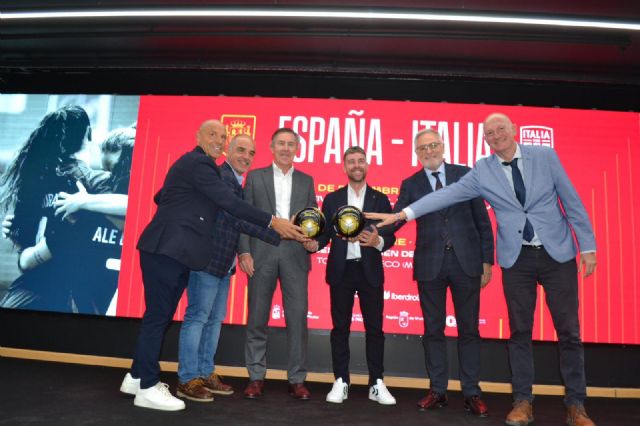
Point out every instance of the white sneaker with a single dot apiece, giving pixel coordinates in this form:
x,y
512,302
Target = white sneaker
x,y
158,397
339,392
380,394
130,385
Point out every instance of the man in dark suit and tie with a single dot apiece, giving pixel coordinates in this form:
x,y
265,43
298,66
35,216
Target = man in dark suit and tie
x,y
355,266
179,239
208,289
454,249
282,191
540,218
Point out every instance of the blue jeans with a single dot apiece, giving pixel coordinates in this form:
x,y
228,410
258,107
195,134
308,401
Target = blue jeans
x,y
200,331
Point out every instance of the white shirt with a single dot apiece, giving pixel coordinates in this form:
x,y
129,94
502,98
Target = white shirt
x,y
357,200
282,185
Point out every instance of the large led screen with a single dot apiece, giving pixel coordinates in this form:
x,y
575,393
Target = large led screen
x,y
94,260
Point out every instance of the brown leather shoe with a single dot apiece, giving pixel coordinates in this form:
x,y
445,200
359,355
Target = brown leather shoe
x,y
254,389
214,384
299,391
476,406
194,391
577,416
521,414
432,400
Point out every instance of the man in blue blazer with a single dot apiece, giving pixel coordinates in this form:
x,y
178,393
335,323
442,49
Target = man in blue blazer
x,y
454,249
538,213
208,289
179,239
356,266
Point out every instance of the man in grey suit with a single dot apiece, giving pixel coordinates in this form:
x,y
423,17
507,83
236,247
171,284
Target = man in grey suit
x,y
538,212
283,191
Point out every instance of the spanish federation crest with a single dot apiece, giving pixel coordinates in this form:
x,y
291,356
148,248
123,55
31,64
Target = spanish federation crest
x,y
236,124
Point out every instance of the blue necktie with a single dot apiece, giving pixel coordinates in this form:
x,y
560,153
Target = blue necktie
x,y
521,194
444,234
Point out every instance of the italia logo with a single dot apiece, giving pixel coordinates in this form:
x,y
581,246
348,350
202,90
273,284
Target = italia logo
x,y
536,135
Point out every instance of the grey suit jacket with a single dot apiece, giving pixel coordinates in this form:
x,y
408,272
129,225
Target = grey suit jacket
x,y
259,191
552,204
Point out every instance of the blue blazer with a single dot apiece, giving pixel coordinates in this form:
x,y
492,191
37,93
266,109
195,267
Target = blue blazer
x,y
549,192
374,201
188,203
467,225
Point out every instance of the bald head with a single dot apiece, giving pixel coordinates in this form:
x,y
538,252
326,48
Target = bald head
x,y
500,132
498,116
211,137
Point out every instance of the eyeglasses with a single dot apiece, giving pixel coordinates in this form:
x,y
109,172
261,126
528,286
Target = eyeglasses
x,y
432,146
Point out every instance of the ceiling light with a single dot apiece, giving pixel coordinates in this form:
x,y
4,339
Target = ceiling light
x,y
322,14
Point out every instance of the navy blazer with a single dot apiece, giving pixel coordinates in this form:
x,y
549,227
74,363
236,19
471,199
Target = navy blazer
x,y
467,225
228,228
188,203
374,201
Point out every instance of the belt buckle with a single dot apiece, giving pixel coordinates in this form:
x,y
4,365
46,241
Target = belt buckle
x,y
540,247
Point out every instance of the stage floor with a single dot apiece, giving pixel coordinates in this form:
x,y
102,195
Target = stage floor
x,y
47,393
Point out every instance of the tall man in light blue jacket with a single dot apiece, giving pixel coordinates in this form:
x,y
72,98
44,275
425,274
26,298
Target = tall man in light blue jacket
x,y
536,209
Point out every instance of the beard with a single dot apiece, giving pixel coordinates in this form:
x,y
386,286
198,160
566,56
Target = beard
x,y
354,178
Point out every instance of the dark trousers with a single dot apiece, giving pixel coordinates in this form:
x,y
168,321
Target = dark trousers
x,y
560,282
371,304
465,292
164,282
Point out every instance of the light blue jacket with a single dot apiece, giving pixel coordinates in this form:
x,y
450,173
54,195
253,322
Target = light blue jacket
x,y
549,191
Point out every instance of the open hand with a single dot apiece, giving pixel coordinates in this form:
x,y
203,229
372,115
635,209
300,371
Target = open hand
x,y
245,261
486,275
67,204
385,218
587,263
288,230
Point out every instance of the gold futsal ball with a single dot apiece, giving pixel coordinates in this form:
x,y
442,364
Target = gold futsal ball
x,y
348,221
311,220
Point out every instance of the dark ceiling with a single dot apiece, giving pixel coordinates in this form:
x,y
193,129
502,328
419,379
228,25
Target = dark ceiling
x,y
343,47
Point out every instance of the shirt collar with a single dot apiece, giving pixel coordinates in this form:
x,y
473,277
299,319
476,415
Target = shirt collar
x,y
440,169
278,171
351,191
238,176
518,154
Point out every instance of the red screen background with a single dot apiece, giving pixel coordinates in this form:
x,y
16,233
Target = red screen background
x,y
598,149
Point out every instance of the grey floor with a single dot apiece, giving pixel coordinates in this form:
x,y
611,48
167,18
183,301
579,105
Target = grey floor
x,y
45,393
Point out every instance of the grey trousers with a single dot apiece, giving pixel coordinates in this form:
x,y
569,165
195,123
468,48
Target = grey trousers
x,y
294,286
